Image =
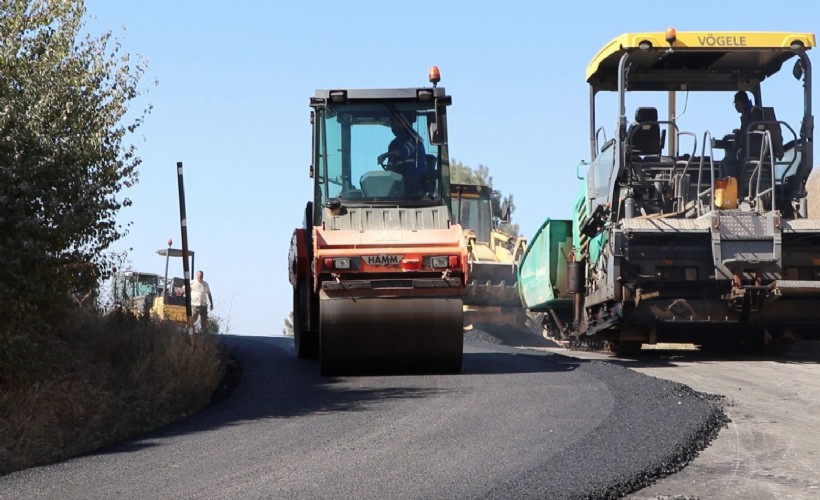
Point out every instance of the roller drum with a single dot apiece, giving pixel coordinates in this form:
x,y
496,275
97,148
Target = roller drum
x,y
391,335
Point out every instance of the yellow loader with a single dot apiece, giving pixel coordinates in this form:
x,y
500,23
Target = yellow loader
x,y
491,296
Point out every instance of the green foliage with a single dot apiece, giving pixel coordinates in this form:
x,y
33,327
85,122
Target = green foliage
x,y
462,174
63,100
503,207
212,325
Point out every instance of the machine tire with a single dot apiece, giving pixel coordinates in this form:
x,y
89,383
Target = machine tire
x,y
720,345
306,336
774,345
627,348
297,323
305,341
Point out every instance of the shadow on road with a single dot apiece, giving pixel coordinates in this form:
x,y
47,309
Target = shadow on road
x,y
273,383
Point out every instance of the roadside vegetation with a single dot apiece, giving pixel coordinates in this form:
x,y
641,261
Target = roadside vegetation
x,y
96,380
71,378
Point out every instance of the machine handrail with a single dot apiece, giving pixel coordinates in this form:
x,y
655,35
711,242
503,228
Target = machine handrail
x,y
766,154
707,139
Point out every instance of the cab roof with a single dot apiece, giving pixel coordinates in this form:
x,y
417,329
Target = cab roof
x,y
323,96
699,60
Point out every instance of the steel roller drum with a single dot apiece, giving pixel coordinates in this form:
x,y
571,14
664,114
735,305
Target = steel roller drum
x,y
391,335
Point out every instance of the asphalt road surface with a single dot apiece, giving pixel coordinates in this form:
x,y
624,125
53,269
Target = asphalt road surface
x,y
515,424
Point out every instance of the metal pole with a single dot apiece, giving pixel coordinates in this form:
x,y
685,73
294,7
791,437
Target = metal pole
x,y
672,117
183,224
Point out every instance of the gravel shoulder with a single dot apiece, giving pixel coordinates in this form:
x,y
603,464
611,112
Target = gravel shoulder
x,y
769,448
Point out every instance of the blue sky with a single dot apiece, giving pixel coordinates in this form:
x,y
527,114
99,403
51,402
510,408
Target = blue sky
x,y
231,103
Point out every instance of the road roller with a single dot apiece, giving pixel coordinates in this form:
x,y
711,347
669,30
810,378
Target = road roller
x,y
378,267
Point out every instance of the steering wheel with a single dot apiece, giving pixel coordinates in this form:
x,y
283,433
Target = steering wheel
x,y
386,162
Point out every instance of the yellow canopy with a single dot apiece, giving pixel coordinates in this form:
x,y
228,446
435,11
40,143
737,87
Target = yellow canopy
x,y
699,60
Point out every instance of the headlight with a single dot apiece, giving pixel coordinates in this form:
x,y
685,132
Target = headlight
x,y
337,263
439,262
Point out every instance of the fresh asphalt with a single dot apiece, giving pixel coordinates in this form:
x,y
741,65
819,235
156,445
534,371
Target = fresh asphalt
x,y
516,423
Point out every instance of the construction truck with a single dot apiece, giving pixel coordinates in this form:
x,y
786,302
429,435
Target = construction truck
x,y
491,296
702,238
379,268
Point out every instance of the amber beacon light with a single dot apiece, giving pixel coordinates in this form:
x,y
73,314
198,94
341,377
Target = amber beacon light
x,y
434,75
671,36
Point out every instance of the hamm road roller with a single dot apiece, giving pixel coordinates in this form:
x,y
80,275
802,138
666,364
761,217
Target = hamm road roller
x,y
379,267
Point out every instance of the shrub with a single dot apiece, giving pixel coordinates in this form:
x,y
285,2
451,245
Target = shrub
x,y
103,380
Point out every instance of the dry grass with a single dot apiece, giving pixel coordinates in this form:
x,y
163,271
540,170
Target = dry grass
x,y
99,381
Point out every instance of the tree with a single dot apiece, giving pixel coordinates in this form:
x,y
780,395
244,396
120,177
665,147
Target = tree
x,y
287,330
63,163
503,207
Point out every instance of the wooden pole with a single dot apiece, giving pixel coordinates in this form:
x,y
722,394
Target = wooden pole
x,y
183,224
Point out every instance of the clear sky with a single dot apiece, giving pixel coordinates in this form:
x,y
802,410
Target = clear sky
x,y
232,104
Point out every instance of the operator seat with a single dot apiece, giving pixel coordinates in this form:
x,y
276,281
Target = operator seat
x,y
762,119
644,134
381,184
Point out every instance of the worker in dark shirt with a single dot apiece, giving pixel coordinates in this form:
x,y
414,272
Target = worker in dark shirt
x,y
735,157
405,154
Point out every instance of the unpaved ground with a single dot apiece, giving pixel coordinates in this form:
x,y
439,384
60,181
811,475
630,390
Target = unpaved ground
x,y
771,448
